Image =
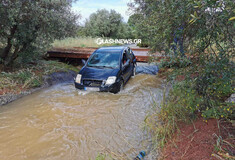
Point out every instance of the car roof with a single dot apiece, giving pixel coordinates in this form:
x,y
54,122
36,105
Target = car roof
x,y
111,49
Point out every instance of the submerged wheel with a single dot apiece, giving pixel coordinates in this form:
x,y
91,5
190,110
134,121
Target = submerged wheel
x,y
120,87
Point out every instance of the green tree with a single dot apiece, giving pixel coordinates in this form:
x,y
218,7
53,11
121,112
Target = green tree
x,y
204,22
27,27
103,23
138,30
207,28
134,22
125,31
81,31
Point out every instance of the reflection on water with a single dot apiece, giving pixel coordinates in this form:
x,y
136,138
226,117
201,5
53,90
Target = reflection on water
x,y
62,123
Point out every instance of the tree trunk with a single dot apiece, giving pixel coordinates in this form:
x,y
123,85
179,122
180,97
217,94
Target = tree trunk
x,y
9,58
13,56
7,49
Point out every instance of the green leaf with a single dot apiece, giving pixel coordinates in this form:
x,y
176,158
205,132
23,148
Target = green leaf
x,y
192,16
192,21
232,18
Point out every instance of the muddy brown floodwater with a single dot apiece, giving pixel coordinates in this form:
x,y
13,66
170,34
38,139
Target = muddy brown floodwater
x,y
62,123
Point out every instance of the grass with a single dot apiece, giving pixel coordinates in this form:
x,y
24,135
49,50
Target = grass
x,y
78,42
75,42
30,76
188,98
162,123
53,66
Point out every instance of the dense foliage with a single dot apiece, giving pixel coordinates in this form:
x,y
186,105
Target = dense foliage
x,y
104,23
27,27
207,30
203,23
203,74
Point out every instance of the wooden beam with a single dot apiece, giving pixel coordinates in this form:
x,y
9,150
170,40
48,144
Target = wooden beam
x,y
84,53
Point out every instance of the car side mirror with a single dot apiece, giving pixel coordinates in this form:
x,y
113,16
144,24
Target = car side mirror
x,y
83,61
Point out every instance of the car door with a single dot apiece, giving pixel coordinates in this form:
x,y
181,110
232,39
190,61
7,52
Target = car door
x,y
126,67
132,63
133,58
129,53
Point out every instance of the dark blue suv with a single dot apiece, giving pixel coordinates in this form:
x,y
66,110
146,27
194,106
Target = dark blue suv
x,y
107,69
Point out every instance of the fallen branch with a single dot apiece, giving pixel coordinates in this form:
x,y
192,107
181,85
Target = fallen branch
x,y
228,143
187,148
226,155
192,133
217,156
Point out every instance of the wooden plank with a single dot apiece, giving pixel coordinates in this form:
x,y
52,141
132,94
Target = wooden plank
x,y
75,49
62,55
94,48
84,53
86,56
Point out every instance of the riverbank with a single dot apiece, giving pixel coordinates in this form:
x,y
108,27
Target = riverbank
x,y
210,139
185,133
23,81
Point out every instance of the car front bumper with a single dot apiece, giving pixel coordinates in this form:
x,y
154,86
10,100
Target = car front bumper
x,y
103,88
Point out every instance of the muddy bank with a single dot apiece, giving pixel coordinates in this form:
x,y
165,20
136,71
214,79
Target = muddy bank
x,y
201,140
49,80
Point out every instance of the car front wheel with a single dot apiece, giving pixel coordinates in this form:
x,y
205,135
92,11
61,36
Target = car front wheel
x,y
121,85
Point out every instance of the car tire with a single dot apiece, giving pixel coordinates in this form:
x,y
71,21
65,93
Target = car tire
x,y
120,86
134,71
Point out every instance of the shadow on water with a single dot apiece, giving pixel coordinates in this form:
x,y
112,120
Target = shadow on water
x,y
63,123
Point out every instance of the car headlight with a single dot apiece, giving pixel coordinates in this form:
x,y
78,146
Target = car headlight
x,y
111,80
78,78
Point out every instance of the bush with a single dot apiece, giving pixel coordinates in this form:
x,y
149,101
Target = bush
x,y
205,85
175,62
183,104
30,76
24,78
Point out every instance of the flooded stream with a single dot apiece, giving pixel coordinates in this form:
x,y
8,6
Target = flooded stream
x,y
62,123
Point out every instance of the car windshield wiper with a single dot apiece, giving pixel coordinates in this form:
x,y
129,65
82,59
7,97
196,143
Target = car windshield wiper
x,y
93,66
101,66
107,67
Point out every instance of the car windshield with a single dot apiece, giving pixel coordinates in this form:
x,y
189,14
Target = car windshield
x,y
100,59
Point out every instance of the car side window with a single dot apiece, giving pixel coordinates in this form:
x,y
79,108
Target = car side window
x,y
131,54
124,58
128,53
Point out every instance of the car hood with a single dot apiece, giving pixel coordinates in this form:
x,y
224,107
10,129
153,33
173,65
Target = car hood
x,y
98,73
